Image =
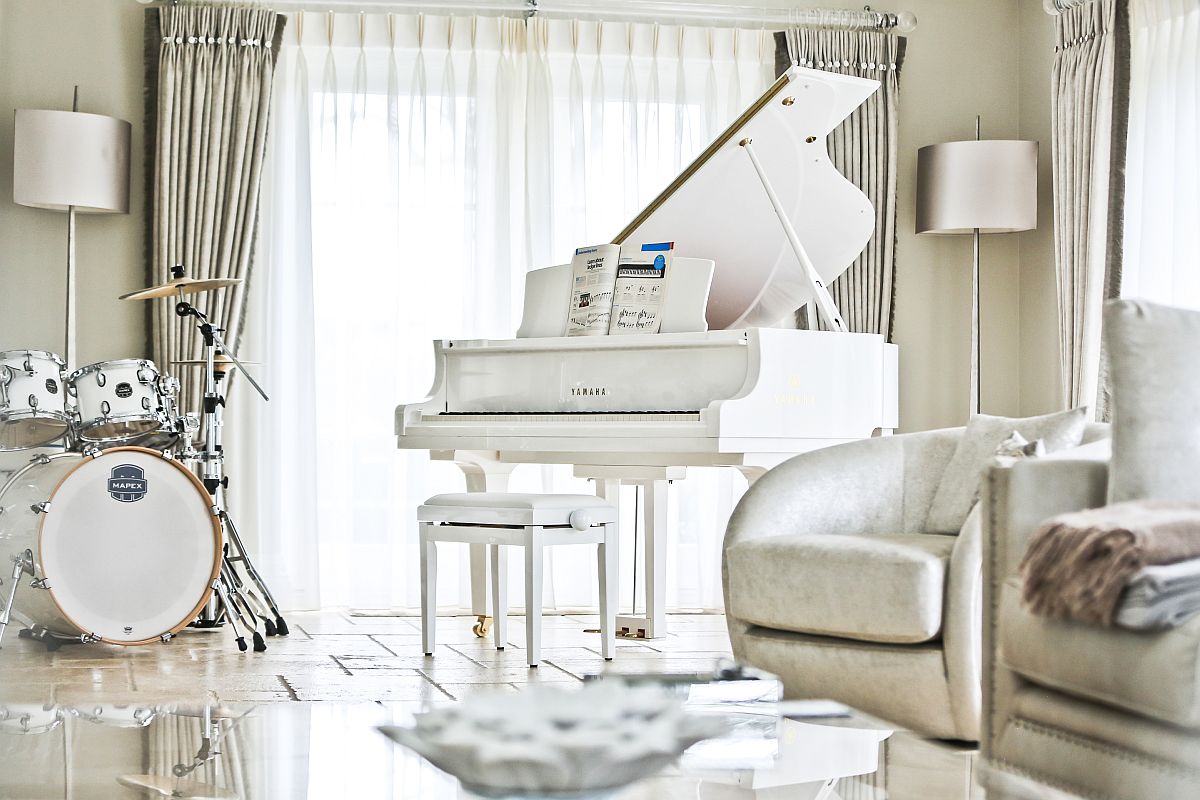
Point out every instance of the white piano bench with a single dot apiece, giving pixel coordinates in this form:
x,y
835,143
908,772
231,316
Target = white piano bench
x,y
532,521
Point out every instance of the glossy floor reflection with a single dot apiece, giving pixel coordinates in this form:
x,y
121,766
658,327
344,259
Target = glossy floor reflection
x,y
332,656
326,751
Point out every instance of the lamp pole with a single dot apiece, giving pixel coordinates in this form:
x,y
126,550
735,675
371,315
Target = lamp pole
x,y
975,359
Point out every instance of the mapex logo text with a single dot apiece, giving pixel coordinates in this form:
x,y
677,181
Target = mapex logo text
x,y
128,483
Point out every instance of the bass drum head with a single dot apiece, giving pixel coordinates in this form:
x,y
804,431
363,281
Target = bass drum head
x,y
130,546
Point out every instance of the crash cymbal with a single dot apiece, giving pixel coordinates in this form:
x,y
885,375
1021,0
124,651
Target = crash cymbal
x,y
221,362
173,287
167,786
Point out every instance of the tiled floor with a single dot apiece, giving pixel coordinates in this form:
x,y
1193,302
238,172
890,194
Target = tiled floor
x,y
333,656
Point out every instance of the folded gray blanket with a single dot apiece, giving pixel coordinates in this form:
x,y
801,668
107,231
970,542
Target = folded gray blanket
x,y
1161,597
1078,565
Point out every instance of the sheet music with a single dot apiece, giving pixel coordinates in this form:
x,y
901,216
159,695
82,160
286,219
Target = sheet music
x,y
640,288
593,276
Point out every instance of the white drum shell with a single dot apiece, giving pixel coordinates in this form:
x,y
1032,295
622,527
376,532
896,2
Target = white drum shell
x,y
33,407
117,400
127,572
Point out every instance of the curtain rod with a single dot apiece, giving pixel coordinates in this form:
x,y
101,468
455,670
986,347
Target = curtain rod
x,y
617,10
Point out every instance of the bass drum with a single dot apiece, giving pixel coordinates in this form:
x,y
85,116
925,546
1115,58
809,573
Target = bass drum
x,y
126,549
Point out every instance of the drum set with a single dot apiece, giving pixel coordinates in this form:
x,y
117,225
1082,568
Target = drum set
x,y
117,526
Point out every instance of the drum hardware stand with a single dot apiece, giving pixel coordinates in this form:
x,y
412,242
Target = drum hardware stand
x,y
210,742
244,604
22,564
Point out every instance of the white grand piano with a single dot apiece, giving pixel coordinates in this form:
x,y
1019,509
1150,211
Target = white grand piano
x,y
761,221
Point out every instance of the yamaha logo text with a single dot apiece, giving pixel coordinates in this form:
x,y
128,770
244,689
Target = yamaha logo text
x,y
128,483
589,391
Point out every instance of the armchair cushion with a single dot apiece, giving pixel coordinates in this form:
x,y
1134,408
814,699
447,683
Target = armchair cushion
x,y
1154,674
873,587
1155,386
959,487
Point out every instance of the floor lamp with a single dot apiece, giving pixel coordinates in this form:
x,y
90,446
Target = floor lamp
x,y
980,186
72,162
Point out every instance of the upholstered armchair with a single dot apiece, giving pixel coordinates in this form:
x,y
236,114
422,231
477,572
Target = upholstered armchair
x,y
1097,712
833,581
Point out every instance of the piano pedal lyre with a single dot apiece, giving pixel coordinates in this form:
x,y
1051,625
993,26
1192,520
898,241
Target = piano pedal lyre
x,y
627,633
482,625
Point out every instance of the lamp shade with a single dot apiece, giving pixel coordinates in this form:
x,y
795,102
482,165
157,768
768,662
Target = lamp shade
x,y
67,158
990,185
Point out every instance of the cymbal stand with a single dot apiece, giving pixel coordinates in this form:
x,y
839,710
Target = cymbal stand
x,y
244,603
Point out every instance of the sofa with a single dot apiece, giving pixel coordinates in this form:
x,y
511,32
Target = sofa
x,y
834,582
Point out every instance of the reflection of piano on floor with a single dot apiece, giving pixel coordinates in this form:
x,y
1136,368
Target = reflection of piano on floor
x,y
640,409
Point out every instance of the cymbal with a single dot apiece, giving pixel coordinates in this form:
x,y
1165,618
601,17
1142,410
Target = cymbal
x,y
186,285
220,361
167,786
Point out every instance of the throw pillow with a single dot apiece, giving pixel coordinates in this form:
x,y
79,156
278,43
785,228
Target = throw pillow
x,y
1153,354
960,482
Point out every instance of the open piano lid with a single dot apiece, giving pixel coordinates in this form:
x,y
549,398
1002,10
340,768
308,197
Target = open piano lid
x,y
717,208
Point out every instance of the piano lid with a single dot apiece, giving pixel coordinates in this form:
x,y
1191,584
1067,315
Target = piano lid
x,y
717,208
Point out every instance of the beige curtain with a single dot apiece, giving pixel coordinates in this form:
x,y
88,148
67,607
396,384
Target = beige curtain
x,y
1090,115
863,148
211,97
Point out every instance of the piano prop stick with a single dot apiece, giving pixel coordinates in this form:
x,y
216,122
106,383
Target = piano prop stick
x,y
765,216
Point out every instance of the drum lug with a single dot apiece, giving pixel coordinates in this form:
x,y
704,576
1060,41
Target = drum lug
x,y
167,637
216,510
41,508
39,583
40,458
90,638
25,560
92,451
29,370
167,455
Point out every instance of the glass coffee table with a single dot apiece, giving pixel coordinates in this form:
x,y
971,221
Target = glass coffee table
x,y
326,751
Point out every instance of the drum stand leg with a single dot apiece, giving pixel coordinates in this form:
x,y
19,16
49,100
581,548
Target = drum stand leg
x,y
239,555
239,607
52,640
21,564
230,613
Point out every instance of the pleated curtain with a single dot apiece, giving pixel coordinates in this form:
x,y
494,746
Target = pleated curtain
x,y
1089,113
209,75
863,148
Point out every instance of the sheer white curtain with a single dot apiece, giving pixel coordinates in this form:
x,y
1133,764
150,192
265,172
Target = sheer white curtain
x,y
420,165
1162,205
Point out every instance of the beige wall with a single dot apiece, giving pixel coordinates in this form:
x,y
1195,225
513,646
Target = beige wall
x,y
1041,384
966,57
46,48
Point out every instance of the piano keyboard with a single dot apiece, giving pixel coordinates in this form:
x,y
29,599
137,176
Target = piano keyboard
x,y
517,417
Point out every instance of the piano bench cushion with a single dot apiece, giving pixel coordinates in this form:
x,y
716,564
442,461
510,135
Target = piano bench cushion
x,y
515,509
873,588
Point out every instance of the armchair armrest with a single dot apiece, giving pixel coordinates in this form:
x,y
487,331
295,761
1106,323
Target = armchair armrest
x,y
846,489
1016,500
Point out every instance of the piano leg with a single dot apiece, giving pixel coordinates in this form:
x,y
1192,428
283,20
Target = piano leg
x,y
483,475
654,481
656,558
